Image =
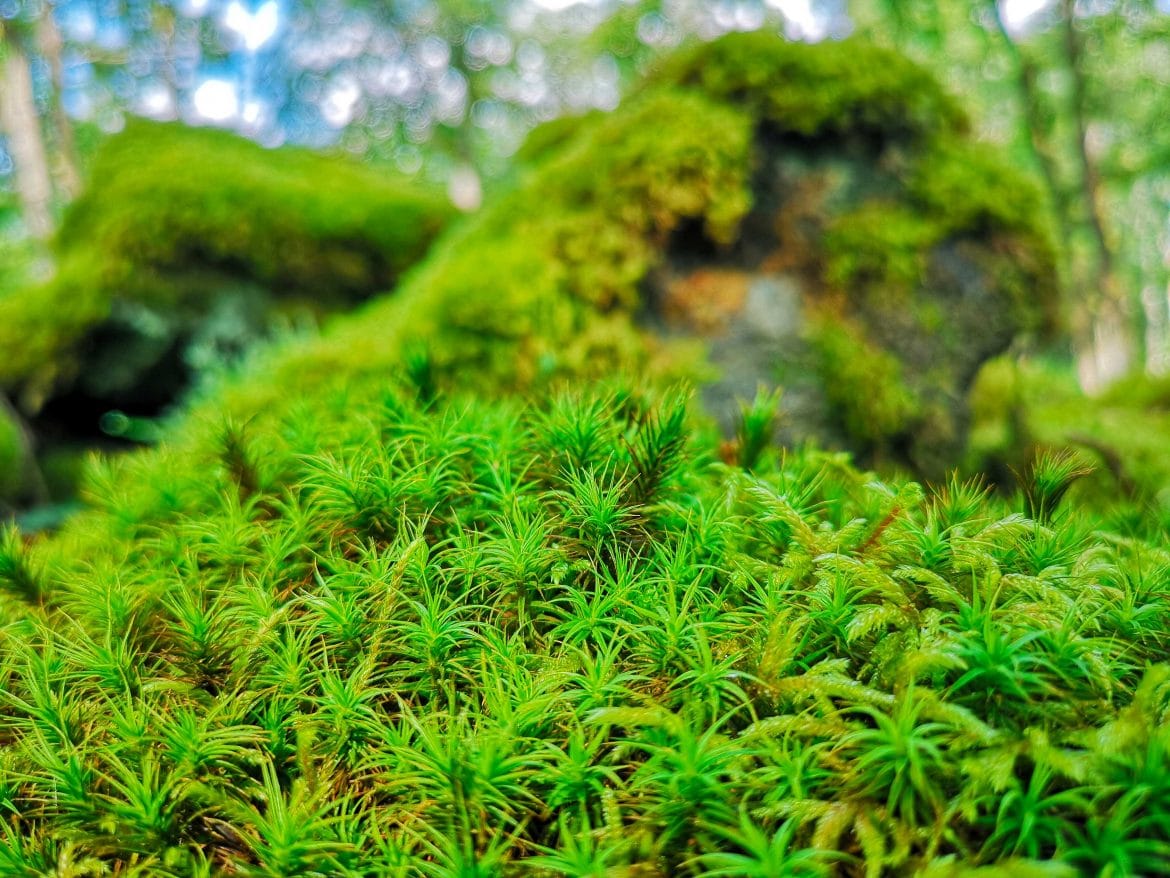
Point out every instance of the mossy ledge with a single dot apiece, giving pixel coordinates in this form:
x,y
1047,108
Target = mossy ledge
x,y
176,215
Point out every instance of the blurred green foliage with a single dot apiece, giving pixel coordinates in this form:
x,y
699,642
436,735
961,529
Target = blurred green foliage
x,y
17,252
1019,407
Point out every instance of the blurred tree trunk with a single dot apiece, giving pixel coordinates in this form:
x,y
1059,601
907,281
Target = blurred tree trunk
x,y
64,149
1032,133
1039,96
1102,336
18,120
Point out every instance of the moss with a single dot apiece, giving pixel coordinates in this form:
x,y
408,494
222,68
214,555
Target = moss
x,y
336,575
867,393
968,189
546,281
933,210
335,569
381,589
173,212
587,224
996,412
167,195
953,191
548,137
820,90
881,244
13,456
527,280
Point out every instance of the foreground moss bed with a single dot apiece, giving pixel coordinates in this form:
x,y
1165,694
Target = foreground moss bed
x,y
420,636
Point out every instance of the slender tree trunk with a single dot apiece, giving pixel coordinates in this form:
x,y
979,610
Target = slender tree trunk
x,y
1033,135
18,119
1107,340
1154,303
65,149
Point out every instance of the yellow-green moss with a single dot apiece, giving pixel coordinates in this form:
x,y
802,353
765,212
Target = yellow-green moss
x,y
882,242
550,136
520,290
13,456
863,384
825,89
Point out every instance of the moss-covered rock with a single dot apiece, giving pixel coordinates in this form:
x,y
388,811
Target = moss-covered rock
x,y
177,220
326,607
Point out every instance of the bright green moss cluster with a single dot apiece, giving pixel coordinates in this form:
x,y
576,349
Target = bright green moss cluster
x,y
823,90
881,243
519,291
174,214
387,636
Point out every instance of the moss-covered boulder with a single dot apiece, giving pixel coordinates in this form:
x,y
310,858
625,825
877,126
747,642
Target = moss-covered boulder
x,y
884,258
186,245
816,216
